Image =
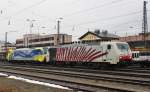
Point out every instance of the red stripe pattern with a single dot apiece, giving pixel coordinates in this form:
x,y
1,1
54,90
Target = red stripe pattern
x,y
78,54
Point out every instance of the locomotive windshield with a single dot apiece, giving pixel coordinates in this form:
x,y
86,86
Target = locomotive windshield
x,y
37,52
123,47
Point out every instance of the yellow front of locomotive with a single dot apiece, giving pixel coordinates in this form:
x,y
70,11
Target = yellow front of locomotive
x,y
41,56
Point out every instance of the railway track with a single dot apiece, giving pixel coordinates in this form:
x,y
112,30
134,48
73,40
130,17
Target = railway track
x,y
117,71
81,79
134,72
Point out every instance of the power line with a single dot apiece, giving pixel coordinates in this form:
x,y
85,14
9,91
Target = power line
x,y
125,30
72,2
89,9
118,25
41,16
25,9
108,27
29,7
125,23
109,18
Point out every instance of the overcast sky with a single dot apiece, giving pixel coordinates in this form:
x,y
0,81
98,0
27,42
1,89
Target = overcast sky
x,y
121,17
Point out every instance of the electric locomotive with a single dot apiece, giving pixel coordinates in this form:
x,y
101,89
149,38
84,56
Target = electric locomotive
x,y
27,55
94,54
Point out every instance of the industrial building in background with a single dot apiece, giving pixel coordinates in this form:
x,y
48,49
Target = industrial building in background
x,y
136,42
36,40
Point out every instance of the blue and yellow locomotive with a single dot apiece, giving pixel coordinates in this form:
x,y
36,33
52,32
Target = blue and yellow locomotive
x,y
27,54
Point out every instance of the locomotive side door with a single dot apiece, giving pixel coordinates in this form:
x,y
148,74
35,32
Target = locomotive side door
x,y
52,54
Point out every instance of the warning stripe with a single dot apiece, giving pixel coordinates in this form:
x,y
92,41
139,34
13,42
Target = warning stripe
x,y
90,53
102,54
79,52
82,53
84,57
74,54
94,54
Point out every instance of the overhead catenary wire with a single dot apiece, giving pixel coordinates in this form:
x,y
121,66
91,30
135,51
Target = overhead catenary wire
x,y
128,22
29,7
115,26
82,11
72,2
114,1
44,17
24,9
106,19
53,19
89,9
111,18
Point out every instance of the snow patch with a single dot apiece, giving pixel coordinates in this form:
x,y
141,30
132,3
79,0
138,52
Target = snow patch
x,y
38,82
2,74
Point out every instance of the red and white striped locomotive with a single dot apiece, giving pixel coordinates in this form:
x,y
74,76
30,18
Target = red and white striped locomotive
x,y
102,52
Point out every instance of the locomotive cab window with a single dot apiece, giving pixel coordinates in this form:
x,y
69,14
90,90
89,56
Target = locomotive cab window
x,y
123,47
37,52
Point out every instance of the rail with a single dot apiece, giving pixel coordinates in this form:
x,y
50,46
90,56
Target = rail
x,y
83,81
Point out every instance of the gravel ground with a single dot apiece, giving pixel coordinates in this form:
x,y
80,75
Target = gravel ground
x,y
11,85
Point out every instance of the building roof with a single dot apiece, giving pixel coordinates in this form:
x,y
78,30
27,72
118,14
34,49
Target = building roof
x,y
99,34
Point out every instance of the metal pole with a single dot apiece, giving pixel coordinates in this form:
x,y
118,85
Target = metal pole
x,y
5,44
58,29
30,26
6,41
38,34
30,40
145,26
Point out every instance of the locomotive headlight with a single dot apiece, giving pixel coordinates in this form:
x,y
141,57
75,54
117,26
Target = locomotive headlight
x,y
130,56
120,57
